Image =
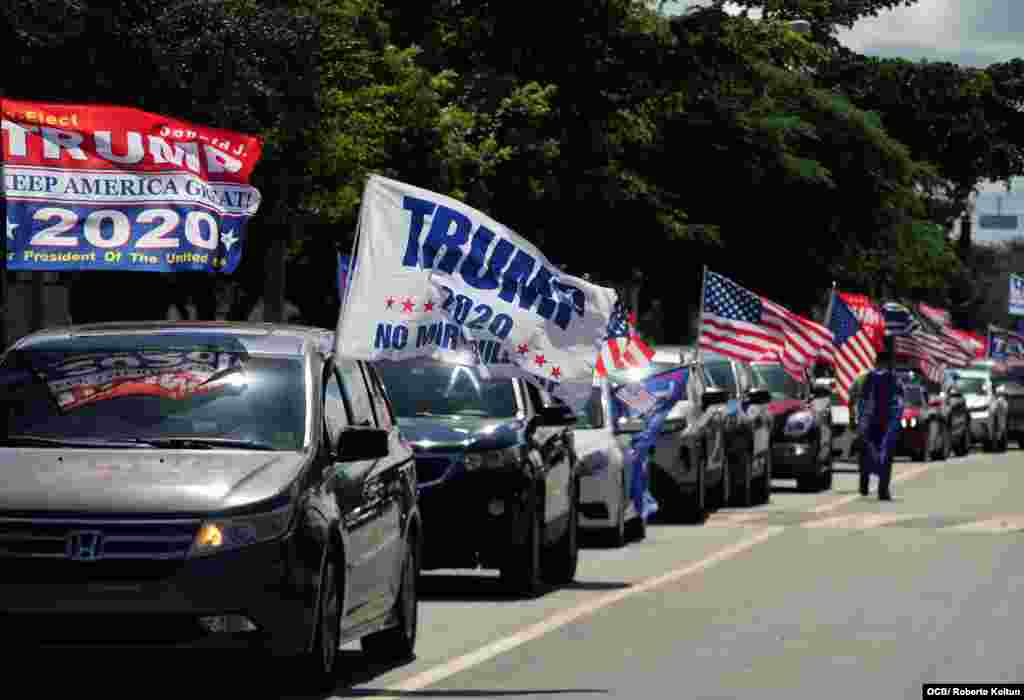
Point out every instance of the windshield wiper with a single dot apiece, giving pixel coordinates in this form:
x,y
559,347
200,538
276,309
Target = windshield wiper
x,y
35,440
189,442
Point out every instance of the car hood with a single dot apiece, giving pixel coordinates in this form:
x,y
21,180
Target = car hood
x,y
594,449
142,481
444,434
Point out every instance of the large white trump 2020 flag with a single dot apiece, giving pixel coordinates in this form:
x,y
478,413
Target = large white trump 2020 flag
x,y
436,278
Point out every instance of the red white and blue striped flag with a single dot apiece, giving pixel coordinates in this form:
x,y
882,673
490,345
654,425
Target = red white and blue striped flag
x,y
622,347
855,349
745,326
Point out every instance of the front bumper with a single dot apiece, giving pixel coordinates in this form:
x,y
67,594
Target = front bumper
x,y
600,499
793,458
52,602
471,519
911,441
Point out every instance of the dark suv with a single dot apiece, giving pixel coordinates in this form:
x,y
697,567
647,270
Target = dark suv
x,y
204,484
496,468
748,426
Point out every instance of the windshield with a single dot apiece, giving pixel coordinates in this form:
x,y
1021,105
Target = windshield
x,y
972,385
140,388
629,376
430,388
592,414
774,379
913,395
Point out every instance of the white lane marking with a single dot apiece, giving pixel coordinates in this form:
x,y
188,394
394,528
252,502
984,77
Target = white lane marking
x,y
997,524
911,473
859,521
528,634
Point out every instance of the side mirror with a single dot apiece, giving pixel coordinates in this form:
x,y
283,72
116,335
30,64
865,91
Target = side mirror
x,y
559,414
1001,390
714,397
359,443
759,397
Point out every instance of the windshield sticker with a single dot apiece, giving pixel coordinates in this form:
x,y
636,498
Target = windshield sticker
x,y
82,380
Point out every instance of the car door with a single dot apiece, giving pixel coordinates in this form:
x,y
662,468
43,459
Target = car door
x,y
757,416
822,411
371,520
705,433
554,444
398,475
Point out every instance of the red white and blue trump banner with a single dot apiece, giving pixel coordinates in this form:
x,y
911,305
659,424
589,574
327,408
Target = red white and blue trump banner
x,y
437,278
91,187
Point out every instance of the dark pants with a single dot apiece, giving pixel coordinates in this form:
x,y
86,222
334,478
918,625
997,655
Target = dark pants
x,y
883,470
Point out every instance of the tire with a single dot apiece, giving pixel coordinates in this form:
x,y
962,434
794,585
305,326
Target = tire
x,y
1004,442
720,495
947,443
319,664
399,642
562,559
744,495
810,482
521,572
963,447
763,492
636,530
616,535
697,506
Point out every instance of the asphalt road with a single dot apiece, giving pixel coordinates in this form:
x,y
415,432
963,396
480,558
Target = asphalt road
x,y
813,595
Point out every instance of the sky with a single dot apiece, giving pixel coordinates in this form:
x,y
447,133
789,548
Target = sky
x,y
973,33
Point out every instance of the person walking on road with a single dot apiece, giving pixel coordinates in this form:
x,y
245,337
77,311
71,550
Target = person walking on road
x,y
879,410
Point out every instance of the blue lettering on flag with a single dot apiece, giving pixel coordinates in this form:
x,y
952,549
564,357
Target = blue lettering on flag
x,y
517,273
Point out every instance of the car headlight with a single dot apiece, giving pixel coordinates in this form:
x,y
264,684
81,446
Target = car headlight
x,y
909,422
594,463
225,534
799,423
491,459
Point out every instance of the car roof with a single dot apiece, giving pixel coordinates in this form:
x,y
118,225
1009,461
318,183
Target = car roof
x,y
263,338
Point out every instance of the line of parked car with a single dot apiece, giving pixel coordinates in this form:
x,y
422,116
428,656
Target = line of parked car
x,y
209,484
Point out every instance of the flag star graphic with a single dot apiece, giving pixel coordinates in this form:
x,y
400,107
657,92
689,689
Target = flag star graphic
x,y
539,359
390,302
428,306
229,239
10,230
524,349
556,372
408,305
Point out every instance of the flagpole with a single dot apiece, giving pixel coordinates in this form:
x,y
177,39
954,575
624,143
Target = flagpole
x,y
700,319
831,299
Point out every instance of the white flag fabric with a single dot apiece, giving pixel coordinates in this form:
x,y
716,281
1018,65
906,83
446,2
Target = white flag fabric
x,y
436,278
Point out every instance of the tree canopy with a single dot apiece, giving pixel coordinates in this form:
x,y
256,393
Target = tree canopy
x,y
622,141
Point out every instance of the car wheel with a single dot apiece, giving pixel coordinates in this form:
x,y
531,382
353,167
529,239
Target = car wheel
x,y
947,443
763,493
398,642
964,444
521,571
562,558
1004,444
809,483
617,534
825,482
320,663
744,495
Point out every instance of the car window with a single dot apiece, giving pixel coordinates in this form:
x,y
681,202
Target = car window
x,y
153,387
592,415
335,412
359,400
380,403
534,395
722,376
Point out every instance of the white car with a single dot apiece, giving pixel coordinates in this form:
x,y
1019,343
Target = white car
x,y
605,504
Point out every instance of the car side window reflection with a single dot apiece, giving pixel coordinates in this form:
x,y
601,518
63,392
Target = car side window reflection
x,y
335,413
358,396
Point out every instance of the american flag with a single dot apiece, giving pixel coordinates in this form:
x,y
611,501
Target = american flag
x,y
622,347
923,344
744,326
855,352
